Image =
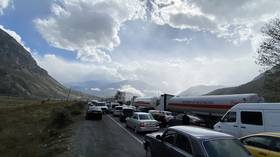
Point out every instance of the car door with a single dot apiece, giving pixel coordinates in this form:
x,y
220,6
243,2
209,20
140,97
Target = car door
x,y
161,148
275,147
258,145
251,122
229,124
134,120
181,148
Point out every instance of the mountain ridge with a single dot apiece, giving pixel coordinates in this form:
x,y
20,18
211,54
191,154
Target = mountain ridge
x,y
20,75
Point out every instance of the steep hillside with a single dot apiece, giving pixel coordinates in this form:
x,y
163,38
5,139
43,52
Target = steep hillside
x,y
266,84
21,76
199,90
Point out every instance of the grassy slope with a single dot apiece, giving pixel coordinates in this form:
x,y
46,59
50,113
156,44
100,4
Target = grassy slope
x,y
29,128
267,85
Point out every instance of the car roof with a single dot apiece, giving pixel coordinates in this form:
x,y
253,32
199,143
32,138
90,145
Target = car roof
x,y
141,113
200,133
271,134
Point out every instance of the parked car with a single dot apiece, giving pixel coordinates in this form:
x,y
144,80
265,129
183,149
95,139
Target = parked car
x,y
163,117
94,112
250,118
126,112
117,110
190,141
263,144
141,122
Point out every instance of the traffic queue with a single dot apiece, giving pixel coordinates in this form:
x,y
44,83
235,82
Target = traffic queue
x,y
247,129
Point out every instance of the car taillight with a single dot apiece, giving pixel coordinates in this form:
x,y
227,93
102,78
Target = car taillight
x,y
142,124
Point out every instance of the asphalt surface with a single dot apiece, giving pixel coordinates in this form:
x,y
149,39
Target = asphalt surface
x,y
107,138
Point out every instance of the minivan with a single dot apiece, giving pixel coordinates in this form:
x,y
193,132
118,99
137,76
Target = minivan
x,y
250,118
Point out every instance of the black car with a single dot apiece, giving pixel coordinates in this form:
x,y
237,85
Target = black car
x,y
126,112
187,141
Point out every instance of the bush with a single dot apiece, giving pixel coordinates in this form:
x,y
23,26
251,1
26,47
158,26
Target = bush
x,y
60,117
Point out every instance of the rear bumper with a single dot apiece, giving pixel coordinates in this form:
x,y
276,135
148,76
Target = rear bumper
x,y
93,115
144,129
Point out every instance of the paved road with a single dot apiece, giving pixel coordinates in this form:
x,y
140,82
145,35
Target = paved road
x,y
106,138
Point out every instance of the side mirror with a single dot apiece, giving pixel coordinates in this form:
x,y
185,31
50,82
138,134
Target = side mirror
x,y
158,137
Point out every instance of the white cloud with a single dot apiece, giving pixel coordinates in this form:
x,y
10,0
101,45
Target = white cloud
x,y
89,28
130,89
15,36
73,71
183,40
95,89
236,21
3,5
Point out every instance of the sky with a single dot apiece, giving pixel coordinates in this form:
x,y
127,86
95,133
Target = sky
x,y
170,44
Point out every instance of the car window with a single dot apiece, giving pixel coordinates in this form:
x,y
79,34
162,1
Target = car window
x,y
183,143
229,117
258,141
225,147
145,117
169,137
250,117
275,144
135,116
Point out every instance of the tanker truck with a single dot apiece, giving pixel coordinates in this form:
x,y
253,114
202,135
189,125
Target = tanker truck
x,y
210,108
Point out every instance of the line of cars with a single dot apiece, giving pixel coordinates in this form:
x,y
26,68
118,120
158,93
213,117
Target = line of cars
x,y
192,141
257,123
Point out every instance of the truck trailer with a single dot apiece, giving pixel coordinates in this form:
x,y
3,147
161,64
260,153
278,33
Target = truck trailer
x,y
210,107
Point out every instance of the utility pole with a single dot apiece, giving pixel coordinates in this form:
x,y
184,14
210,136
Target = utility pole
x,y
68,94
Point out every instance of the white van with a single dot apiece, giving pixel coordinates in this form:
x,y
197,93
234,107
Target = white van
x,y
249,118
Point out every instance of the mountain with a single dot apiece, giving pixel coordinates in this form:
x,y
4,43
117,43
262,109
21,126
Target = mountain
x,y
107,88
20,75
199,90
266,84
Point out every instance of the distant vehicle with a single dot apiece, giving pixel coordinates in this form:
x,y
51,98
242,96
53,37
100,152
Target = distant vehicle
x,y
141,122
94,112
187,141
113,105
250,118
194,120
144,109
263,144
103,106
162,116
117,110
126,112
210,107
149,102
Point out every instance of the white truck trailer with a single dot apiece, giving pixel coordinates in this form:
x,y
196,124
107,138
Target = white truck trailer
x,y
210,107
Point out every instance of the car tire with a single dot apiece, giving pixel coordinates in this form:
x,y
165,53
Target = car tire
x,y
148,152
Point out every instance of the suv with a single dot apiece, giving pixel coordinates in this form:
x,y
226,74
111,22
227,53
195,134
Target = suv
x,y
187,141
103,106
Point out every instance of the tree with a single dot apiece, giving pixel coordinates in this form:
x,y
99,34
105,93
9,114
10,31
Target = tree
x,y
269,50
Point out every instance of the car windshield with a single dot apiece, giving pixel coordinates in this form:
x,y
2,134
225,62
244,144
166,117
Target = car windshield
x,y
225,147
145,117
128,111
118,108
100,104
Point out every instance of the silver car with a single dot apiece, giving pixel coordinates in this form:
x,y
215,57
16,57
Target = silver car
x,y
141,122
